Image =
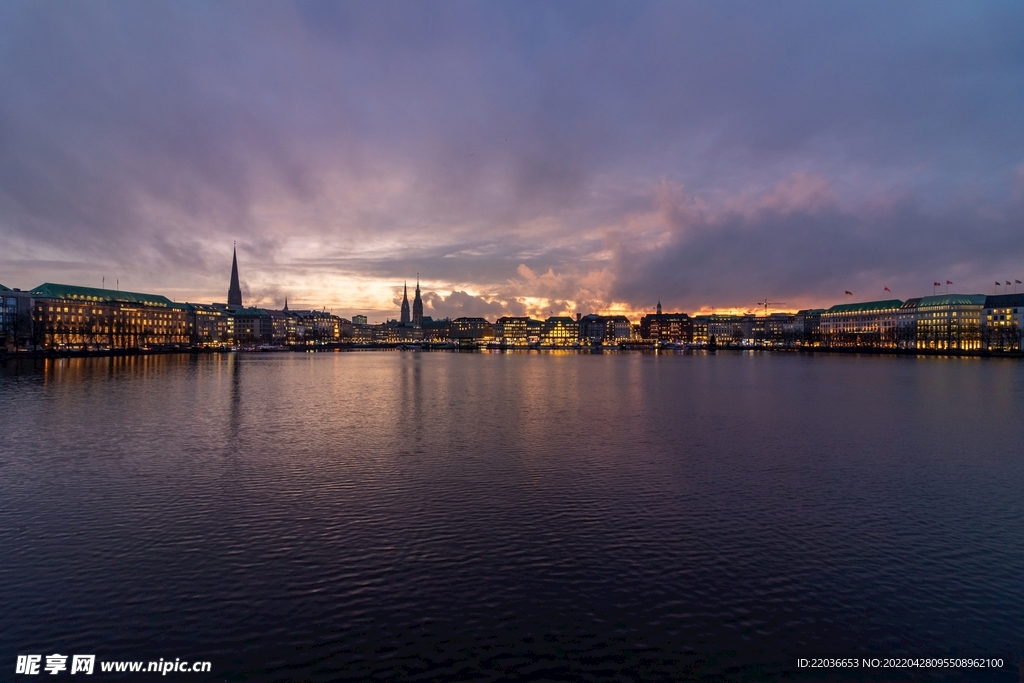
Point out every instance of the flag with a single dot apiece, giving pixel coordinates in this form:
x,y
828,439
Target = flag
x,y
997,283
948,282
1019,282
849,294
887,289
936,284
1007,283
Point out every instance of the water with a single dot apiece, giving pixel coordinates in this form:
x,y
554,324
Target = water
x,y
445,516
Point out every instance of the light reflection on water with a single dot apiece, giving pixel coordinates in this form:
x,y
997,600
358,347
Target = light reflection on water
x,y
479,516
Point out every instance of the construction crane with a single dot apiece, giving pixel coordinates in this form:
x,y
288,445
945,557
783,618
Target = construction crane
x,y
765,304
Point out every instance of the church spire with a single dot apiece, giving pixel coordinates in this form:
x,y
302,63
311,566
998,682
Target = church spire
x,y
417,305
659,306
286,304
405,303
234,291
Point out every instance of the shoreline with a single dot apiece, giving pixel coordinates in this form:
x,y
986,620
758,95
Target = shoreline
x,y
406,346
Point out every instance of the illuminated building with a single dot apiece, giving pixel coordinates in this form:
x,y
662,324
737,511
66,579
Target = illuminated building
x,y
870,324
667,327
950,321
209,326
436,330
777,327
319,327
721,329
560,331
512,331
605,329
906,324
466,330
253,326
1002,323
805,327
88,318
359,320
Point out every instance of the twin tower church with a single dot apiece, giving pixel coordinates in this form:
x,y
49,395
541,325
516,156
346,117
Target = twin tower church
x,y
417,306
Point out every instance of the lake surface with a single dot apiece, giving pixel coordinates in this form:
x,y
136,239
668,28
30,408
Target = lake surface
x,y
489,516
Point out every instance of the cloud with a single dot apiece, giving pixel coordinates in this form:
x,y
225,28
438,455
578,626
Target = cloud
x,y
577,156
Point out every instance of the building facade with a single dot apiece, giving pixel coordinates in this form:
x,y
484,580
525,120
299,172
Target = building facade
x,y
950,322
66,317
869,324
1002,323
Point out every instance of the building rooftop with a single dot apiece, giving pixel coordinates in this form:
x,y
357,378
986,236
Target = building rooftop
x,y
953,300
1004,300
95,294
865,307
4,289
911,303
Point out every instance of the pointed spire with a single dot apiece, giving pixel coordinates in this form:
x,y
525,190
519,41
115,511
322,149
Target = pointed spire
x,y
659,305
234,290
417,305
286,304
405,302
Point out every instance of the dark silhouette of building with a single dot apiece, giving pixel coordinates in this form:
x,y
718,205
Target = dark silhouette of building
x,y
417,306
405,304
234,290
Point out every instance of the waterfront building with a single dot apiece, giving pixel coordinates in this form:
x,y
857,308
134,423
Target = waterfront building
x,y
88,318
468,330
253,326
592,329
209,326
16,329
319,327
906,324
359,320
560,331
950,322
605,329
804,328
436,330
777,328
666,327
726,329
1002,323
362,332
284,326
512,331
699,329
870,324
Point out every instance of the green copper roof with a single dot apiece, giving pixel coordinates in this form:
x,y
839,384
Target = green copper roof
x,y
249,312
49,290
4,289
953,300
865,307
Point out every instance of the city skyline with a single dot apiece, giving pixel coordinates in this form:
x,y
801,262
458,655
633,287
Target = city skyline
x,y
525,160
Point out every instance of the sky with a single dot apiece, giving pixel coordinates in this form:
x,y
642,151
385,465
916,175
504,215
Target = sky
x,y
521,157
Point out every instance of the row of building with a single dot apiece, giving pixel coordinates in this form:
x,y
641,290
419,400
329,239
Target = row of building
x,y
67,317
